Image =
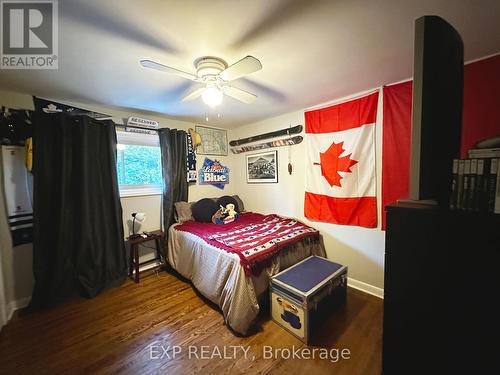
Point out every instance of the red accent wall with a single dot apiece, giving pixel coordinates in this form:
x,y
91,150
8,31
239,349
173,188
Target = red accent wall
x,y
481,111
481,119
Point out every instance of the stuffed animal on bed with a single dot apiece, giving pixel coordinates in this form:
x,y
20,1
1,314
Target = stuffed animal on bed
x,y
225,215
230,211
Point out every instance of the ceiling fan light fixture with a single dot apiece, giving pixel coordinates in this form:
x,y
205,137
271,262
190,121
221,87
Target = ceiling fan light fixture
x,y
212,96
215,75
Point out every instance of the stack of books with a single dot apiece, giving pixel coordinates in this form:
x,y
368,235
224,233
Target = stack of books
x,y
476,181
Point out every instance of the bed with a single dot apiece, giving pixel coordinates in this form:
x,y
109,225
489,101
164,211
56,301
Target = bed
x,y
197,252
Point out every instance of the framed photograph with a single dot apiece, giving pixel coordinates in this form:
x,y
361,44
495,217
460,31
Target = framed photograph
x,y
262,167
213,141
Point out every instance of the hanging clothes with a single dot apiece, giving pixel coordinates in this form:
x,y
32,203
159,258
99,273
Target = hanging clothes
x,y
5,246
191,160
15,126
28,145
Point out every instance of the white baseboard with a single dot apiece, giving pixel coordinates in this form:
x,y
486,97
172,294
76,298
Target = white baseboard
x,y
364,287
16,305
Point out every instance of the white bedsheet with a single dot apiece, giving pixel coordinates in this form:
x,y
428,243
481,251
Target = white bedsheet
x,y
219,276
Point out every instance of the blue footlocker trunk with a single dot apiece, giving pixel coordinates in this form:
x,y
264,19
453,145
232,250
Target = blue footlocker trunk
x,y
303,295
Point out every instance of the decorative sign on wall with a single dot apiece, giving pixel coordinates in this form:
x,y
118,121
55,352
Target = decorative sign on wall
x,y
133,123
213,173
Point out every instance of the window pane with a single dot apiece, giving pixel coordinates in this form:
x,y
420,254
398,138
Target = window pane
x,y
139,165
120,167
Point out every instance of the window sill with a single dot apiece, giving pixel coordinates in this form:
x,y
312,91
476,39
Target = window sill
x,y
139,192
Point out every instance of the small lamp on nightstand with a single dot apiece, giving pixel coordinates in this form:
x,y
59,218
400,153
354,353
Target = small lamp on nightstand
x,y
140,217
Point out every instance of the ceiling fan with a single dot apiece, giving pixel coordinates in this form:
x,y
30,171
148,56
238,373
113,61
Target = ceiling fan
x,y
215,75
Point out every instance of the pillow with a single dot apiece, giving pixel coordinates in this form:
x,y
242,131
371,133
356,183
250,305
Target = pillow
x,y
183,211
240,203
204,209
225,200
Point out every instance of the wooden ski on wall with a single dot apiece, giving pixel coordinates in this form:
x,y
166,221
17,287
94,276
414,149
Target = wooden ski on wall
x,y
277,143
278,133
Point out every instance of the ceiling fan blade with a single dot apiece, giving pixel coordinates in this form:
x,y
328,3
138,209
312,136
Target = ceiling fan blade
x,y
167,69
239,94
193,95
246,65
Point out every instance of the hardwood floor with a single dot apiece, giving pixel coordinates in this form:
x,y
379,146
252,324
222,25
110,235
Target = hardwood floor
x,y
140,329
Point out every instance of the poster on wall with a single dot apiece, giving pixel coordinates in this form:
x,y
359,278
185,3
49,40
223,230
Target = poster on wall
x,y
213,173
262,167
213,141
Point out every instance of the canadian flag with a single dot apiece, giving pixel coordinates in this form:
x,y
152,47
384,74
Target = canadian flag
x,y
340,165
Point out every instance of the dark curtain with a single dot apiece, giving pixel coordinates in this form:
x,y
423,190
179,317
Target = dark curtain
x,y
78,230
173,144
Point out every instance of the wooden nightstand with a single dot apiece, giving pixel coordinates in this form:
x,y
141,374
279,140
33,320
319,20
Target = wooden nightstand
x,y
133,268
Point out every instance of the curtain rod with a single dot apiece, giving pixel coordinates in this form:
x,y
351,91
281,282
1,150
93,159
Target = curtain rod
x,y
5,109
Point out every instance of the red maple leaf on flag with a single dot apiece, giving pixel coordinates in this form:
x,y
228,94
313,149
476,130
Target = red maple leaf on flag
x,y
332,163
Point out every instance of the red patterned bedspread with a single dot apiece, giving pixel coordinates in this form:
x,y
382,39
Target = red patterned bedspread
x,y
254,237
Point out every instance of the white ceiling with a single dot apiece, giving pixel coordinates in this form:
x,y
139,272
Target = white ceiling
x,y
312,51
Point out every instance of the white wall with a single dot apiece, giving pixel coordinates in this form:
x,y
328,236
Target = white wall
x,y
18,261
361,249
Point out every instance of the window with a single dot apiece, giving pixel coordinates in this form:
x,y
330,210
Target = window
x,y
138,164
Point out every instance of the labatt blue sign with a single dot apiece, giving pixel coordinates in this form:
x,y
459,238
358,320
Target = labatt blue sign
x,y
213,173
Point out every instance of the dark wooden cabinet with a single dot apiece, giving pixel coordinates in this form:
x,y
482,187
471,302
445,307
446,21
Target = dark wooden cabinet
x,y
441,289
